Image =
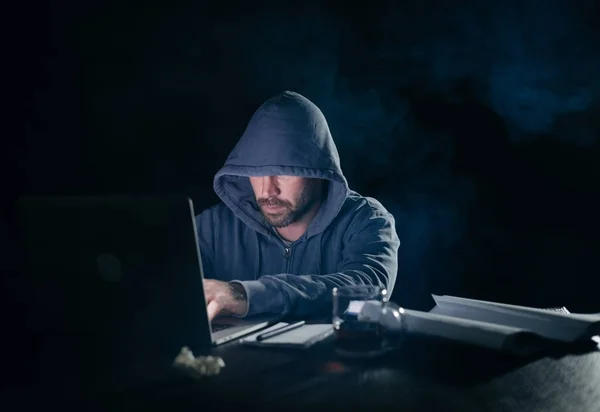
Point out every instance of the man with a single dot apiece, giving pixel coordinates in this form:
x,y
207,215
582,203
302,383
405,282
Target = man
x,y
288,229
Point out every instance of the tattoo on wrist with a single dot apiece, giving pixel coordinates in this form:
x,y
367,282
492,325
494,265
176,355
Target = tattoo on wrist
x,y
238,292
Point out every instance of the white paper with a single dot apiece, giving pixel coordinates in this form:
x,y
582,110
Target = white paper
x,y
474,332
556,325
355,306
499,326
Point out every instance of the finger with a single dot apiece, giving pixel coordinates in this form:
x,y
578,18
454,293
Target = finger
x,y
213,308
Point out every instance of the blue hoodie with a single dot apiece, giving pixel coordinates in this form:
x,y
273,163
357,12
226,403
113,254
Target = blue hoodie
x,y
351,241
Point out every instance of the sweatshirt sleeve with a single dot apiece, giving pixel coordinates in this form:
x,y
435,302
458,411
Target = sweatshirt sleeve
x,y
370,257
205,228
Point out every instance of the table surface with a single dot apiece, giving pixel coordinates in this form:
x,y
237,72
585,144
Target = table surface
x,y
421,374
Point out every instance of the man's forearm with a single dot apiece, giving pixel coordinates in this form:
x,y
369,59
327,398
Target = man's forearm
x,y
304,295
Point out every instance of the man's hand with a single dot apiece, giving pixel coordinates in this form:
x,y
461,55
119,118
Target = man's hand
x,y
224,298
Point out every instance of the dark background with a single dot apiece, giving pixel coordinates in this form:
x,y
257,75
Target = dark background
x,y
476,125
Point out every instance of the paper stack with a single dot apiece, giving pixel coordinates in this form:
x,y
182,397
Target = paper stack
x,y
500,326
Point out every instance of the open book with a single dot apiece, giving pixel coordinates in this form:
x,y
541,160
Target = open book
x,y
500,326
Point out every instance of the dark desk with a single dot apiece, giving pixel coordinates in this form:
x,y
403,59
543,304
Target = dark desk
x,y
420,375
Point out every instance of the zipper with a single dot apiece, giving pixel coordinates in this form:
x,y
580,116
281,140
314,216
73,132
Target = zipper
x,y
287,258
287,253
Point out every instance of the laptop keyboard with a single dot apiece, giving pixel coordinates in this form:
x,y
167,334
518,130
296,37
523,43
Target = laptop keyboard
x,y
215,327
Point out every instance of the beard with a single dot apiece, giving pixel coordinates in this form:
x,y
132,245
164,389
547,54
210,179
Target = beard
x,y
288,213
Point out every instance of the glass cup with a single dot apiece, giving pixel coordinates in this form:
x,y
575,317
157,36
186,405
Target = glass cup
x,y
365,336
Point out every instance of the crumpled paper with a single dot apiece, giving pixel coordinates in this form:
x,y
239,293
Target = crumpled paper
x,y
197,367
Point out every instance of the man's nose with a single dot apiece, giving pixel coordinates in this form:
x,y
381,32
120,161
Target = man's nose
x,y
269,186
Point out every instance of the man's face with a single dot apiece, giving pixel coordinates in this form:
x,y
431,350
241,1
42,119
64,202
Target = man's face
x,y
284,200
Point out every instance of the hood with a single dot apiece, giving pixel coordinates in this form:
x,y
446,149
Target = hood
x,y
287,135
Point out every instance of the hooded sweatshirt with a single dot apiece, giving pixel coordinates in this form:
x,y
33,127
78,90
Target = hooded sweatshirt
x,y
352,239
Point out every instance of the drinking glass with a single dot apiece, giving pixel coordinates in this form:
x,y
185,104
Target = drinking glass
x,y
356,337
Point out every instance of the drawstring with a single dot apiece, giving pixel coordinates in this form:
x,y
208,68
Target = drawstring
x,y
319,253
257,266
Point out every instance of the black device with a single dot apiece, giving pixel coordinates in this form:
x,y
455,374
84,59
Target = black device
x,y
113,289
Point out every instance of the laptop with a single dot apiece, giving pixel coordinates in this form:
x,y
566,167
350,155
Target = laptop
x,y
113,289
